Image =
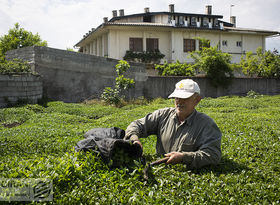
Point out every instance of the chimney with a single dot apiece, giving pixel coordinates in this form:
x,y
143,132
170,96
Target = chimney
x,y
105,19
208,10
233,20
171,8
115,13
121,12
146,10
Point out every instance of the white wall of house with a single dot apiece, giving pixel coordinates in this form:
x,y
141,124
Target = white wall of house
x,y
119,41
251,43
115,42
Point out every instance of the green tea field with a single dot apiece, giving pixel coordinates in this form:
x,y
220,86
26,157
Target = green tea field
x,y
38,142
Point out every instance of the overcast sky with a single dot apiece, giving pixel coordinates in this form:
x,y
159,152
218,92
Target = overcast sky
x,y
62,23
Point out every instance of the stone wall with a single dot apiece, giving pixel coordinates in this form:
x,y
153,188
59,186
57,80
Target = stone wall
x,y
20,87
73,77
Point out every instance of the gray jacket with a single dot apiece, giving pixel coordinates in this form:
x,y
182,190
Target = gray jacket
x,y
198,137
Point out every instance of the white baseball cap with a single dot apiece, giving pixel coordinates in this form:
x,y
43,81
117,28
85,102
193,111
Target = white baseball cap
x,y
185,89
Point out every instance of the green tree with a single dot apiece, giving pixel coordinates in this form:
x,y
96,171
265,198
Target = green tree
x,y
264,64
18,37
215,64
203,43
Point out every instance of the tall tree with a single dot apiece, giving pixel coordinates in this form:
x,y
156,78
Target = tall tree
x,y
18,37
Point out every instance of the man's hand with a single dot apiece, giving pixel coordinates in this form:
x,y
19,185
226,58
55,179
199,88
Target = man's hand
x,y
174,157
139,143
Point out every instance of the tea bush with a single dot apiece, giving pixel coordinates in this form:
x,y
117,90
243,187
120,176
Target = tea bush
x,y
37,142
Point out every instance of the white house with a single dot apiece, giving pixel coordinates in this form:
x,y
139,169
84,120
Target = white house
x,y
171,33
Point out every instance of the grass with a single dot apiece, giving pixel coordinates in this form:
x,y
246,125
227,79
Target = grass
x,y
37,142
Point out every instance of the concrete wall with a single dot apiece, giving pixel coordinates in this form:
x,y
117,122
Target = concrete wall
x,y
74,77
164,86
16,87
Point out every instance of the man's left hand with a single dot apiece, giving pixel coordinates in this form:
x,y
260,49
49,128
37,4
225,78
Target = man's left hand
x,y
174,157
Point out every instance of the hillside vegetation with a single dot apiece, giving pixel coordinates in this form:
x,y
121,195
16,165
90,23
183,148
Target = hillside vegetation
x,y
37,142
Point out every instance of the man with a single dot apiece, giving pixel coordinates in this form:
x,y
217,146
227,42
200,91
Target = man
x,y
183,134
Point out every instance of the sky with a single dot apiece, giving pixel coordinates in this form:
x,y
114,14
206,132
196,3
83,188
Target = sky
x,y
62,23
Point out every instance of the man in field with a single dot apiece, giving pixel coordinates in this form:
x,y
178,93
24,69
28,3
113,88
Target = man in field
x,y
183,134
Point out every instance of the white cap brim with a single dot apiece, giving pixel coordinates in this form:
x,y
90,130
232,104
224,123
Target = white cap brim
x,y
180,94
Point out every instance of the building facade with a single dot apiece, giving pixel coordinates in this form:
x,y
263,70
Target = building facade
x,y
173,34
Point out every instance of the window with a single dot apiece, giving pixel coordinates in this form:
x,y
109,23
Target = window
x,y
205,21
239,43
216,23
147,18
224,43
189,45
169,19
136,44
193,21
152,44
181,20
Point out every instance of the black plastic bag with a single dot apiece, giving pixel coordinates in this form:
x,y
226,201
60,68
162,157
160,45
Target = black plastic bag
x,y
110,144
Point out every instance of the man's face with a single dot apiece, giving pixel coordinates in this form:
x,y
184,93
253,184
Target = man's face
x,y
184,107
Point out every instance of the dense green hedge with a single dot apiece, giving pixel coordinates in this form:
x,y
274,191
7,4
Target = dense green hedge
x,y
14,66
175,69
144,57
37,142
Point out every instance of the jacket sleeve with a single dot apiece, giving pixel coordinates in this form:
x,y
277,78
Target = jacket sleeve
x,y
209,148
143,127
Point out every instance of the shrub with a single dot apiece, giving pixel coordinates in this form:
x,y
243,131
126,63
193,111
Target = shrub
x,y
175,69
203,43
215,64
112,95
15,66
253,94
144,57
264,64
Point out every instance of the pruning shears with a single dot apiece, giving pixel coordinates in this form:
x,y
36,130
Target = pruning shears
x,y
147,170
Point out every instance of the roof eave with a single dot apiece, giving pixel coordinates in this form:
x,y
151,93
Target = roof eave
x,y
252,31
165,13
89,34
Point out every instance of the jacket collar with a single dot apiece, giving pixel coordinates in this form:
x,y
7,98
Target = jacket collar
x,y
189,120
